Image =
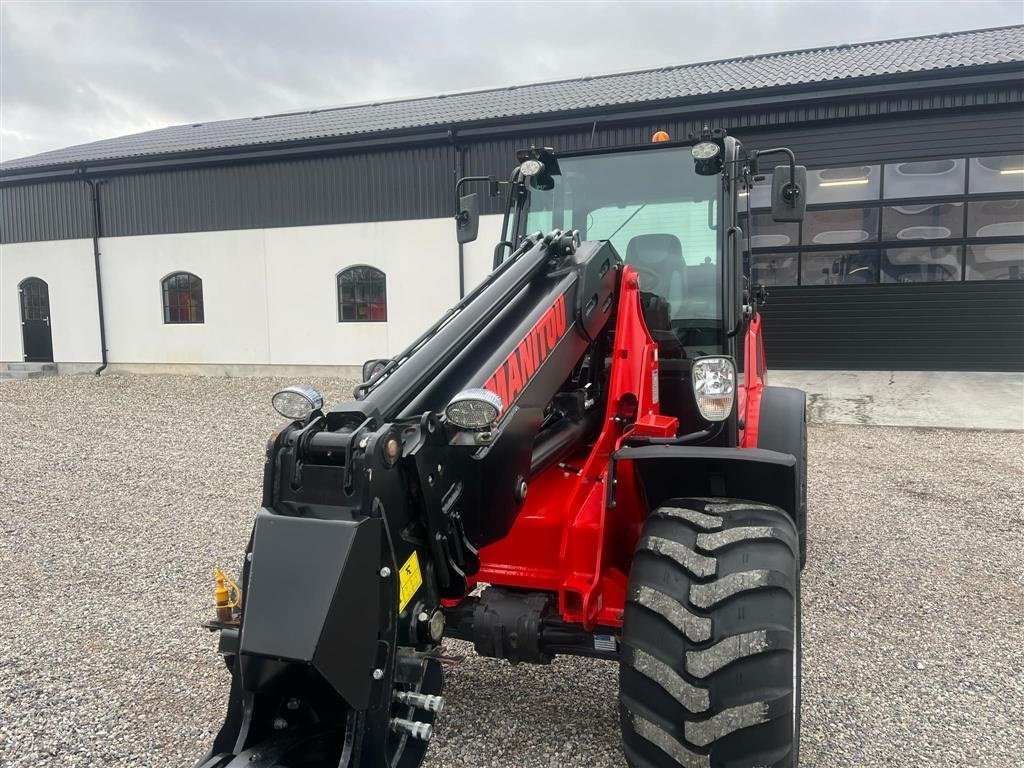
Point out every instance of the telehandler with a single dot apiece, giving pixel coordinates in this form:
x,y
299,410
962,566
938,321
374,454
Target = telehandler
x,y
581,457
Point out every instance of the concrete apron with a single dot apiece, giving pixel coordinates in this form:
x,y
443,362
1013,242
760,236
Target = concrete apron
x,y
910,398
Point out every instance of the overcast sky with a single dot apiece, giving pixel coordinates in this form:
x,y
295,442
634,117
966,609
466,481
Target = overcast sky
x,y
71,73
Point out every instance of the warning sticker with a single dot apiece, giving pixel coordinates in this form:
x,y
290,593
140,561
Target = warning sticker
x,y
409,580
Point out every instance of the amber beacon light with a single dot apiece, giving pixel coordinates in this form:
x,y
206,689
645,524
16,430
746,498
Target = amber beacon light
x,y
660,136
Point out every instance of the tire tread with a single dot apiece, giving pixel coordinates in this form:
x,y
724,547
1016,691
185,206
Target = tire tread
x,y
707,636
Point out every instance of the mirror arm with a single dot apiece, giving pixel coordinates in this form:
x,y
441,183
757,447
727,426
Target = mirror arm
x,y
459,215
494,186
791,191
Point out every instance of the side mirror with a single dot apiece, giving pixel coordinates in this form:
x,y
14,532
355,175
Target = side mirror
x,y
467,222
789,196
372,367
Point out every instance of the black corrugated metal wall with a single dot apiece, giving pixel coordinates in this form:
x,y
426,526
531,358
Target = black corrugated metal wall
x,y
818,141
412,183
974,326
56,210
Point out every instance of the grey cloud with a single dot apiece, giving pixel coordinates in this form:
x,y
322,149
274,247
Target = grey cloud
x,y
78,72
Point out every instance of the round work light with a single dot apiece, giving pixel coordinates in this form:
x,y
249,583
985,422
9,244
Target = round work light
x,y
474,409
297,402
531,167
706,150
707,158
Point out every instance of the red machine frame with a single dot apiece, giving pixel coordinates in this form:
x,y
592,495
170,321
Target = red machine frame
x,y
570,519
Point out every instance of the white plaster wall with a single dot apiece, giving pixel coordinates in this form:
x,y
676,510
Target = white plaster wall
x,y
232,267
269,296
68,269
479,255
419,259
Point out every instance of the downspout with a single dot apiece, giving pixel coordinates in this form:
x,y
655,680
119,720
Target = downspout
x,y
97,231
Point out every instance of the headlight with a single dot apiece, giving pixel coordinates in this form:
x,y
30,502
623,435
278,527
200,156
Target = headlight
x,y
531,167
714,386
707,158
474,409
297,402
706,150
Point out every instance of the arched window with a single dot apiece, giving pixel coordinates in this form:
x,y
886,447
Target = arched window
x,y
183,298
362,295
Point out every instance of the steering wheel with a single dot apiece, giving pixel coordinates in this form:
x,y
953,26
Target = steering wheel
x,y
650,281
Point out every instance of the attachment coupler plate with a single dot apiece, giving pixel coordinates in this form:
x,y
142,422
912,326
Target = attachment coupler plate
x,y
313,597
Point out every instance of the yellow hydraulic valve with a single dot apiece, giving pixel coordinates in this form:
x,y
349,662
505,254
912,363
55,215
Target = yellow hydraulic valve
x,y
223,596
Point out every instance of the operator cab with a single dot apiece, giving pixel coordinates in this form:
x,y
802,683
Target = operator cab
x,y
661,216
671,210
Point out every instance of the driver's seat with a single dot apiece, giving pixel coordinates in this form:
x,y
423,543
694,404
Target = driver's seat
x,y
659,260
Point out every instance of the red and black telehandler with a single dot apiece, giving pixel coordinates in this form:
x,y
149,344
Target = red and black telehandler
x,y
581,457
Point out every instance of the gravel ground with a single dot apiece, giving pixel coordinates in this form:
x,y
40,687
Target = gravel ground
x,y
118,496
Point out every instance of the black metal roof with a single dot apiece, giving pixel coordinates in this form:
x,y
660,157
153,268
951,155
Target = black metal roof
x,y
948,52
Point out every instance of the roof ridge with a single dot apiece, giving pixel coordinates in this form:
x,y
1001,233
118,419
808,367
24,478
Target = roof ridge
x,y
606,75
923,55
767,55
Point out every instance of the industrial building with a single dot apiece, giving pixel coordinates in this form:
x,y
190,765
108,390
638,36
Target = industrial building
x,y
324,238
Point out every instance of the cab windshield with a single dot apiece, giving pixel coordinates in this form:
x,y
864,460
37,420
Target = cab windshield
x,y
662,219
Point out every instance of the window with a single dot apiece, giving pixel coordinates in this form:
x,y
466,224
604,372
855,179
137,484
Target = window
x,y
995,218
35,299
362,295
928,178
841,185
931,221
997,174
844,225
183,298
687,220
921,265
995,262
773,269
672,248
661,217
760,196
767,233
845,267
963,220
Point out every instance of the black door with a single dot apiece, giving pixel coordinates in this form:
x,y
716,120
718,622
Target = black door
x,y
35,320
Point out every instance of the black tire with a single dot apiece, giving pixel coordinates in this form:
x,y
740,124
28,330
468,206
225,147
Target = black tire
x,y
709,675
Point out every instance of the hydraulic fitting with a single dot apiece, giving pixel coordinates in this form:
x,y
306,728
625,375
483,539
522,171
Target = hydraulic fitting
x,y
413,728
222,597
420,700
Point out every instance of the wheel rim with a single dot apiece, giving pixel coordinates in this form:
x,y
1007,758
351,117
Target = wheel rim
x,y
403,751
